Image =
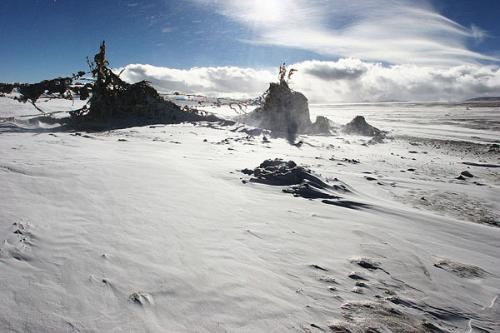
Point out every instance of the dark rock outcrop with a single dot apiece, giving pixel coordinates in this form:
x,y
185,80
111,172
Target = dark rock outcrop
x,y
113,103
301,182
466,174
281,173
133,105
359,126
117,104
286,113
322,126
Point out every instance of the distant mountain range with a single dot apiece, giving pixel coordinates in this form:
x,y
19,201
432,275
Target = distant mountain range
x,y
484,99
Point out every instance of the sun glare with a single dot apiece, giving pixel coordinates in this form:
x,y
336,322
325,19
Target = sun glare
x,y
267,12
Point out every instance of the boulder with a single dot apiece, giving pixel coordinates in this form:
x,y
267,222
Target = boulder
x,y
322,126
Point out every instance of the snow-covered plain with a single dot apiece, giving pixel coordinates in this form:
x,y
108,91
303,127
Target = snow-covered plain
x,y
151,229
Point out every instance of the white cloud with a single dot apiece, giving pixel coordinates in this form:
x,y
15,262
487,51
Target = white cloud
x,y
344,80
210,81
353,80
393,31
389,49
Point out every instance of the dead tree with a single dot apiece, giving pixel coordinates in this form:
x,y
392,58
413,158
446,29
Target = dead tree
x,y
113,102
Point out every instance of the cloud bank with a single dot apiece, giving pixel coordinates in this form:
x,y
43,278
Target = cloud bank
x,y
390,50
392,31
210,81
344,80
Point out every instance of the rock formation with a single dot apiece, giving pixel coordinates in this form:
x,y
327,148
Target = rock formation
x,y
301,182
359,126
115,103
286,112
322,126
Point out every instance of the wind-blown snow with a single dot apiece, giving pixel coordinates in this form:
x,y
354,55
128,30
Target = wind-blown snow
x,y
151,229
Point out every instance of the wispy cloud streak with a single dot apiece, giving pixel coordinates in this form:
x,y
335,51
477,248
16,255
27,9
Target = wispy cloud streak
x,y
392,31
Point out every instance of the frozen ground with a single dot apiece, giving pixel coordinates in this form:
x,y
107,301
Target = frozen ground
x,y
433,121
430,121
155,229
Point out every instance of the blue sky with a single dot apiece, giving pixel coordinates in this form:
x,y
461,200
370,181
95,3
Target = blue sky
x,y
46,38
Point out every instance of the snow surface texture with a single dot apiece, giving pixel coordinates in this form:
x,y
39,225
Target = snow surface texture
x,y
156,229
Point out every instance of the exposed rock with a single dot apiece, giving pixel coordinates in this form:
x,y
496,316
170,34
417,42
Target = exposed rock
x,y
318,267
347,160
359,126
376,139
308,191
302,182
119,104
361,284
280,172
322,126
141,298
286,113
113,103
357,276
366,263
466,174
494,148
